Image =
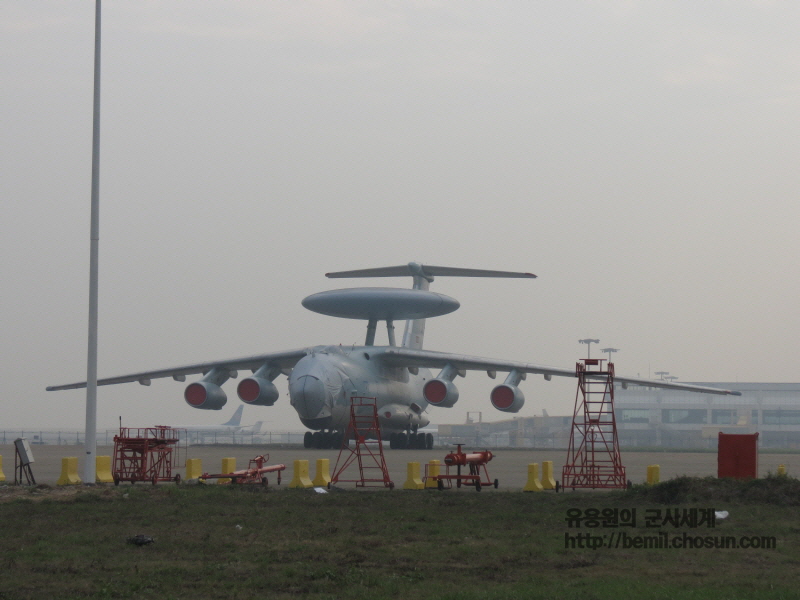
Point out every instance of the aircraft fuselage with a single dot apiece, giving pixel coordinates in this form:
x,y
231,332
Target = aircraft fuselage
x,y
322,383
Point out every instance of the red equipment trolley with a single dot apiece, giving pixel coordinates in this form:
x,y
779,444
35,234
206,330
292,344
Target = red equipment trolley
x,y
145,454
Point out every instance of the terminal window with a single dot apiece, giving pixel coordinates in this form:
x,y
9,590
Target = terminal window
x,y
781,417
685,415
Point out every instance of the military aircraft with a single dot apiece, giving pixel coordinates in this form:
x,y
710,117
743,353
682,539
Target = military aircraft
x,y
323,379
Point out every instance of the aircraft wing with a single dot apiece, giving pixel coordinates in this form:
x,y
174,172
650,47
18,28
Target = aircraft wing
x,y
282,360
406,357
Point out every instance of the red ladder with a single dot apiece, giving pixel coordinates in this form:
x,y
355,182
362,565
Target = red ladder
x,y
365,429
593,458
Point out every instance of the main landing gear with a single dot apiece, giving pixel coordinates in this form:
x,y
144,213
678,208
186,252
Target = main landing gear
x,y
323,440
411,441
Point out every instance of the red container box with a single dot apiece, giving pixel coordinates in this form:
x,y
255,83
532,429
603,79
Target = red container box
x,y
737,455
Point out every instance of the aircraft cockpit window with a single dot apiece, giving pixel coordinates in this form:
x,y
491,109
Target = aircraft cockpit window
x,y
331,350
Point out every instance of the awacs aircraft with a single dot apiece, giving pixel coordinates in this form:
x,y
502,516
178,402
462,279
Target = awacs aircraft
x,y
322,379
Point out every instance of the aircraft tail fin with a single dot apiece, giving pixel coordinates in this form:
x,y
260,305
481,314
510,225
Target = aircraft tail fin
x,y
423,276
257,427
236,419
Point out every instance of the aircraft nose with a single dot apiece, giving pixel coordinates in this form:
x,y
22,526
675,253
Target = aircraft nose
x,y
308,396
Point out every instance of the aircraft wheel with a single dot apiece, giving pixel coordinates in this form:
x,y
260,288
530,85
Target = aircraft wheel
x,y
429,441
316,440
392,441
496,483
307,439
401,441
420,441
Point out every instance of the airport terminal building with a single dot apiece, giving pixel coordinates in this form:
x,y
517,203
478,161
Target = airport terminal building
x,y
653,417
674,419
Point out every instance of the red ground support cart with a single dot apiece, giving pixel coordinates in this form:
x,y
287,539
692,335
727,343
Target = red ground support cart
x,y
145,454
475,461
255,472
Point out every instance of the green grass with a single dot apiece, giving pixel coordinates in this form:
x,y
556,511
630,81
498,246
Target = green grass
x,y
421,544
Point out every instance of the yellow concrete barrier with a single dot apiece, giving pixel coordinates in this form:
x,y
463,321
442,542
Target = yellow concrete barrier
x,y
103,469
781,469
2,475
228,466
653,474
69,471
413,480
548,481
323,476
300,478
194,468
434,469
533,484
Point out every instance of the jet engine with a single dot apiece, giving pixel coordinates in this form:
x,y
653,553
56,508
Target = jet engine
x,y
442,391
205,395
507,397
257,391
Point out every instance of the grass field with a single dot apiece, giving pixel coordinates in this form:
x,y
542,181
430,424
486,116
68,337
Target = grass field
x,y
252,542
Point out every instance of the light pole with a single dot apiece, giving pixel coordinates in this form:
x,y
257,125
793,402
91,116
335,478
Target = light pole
x,y
609,351
588,342
90,436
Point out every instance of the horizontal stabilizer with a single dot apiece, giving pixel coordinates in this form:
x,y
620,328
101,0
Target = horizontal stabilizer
x,y
416,269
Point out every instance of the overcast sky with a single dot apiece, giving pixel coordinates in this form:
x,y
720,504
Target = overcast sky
x,y
640,157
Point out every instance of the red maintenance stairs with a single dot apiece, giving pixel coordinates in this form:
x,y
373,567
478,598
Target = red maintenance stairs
x,y
365,430
593,458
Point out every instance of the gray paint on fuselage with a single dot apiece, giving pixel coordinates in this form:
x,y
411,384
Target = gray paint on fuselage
x,y
322,383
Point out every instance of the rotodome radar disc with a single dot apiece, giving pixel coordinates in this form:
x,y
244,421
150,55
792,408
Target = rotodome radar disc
x,y
393,304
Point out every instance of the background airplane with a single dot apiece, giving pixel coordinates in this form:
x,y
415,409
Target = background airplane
x,y
233,424
322,379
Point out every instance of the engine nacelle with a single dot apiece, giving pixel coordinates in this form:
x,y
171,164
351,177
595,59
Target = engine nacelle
x,y
440,392
257,391
507,398
205,395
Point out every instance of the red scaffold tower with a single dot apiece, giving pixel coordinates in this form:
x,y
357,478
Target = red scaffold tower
x,y
364,428
593,459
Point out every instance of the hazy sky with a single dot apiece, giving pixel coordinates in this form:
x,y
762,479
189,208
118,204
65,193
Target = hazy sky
x,y
640,157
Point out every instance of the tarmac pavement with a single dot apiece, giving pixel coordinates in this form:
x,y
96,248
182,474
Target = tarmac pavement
x,y
509,465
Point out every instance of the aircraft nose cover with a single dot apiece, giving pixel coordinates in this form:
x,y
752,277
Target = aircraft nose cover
x,y
308,395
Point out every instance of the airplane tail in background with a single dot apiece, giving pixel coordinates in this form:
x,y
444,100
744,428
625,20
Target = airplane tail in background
x,y
257,427
423,276
236,419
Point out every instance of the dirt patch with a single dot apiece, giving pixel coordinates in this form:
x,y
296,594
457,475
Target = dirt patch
x,y
9,493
